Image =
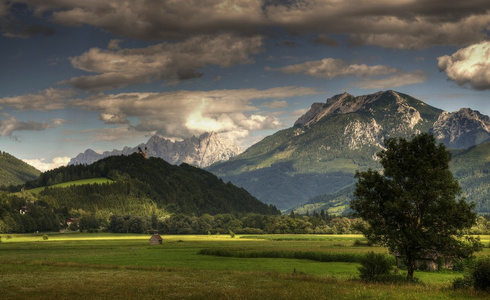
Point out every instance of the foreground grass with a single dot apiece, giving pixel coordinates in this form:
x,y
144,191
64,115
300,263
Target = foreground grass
x,y
107,266
81,282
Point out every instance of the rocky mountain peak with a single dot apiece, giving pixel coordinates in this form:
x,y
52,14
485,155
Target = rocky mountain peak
x,y
200,151
347,103
339,98
462,129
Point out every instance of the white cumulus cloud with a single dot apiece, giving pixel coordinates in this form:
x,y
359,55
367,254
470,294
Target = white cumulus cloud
x,y
185,113
468,66
43,166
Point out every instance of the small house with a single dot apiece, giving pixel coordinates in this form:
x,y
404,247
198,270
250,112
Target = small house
x,y
23,210
156,239
430,262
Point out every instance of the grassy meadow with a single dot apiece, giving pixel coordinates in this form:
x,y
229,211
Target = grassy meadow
x,y
98,180
106,266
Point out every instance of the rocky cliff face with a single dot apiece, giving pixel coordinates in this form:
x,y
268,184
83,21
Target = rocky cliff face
x,y
199,151
462,129
394,114
387,114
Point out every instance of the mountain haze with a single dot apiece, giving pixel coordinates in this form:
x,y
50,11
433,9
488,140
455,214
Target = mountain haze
x,y
200,151
324,148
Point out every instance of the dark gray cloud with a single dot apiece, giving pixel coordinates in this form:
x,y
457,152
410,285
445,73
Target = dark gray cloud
x,y
11,125
171,62
13,25
323,39
386,23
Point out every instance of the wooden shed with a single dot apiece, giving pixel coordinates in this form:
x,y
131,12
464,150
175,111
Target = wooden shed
x,y
156,239
430,262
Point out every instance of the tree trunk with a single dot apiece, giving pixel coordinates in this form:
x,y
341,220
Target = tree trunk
x,y
410,268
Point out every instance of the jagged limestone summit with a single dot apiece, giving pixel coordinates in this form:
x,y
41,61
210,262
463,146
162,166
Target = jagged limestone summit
x,y
200,151
324,148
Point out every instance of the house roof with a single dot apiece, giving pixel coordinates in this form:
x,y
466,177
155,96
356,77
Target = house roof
x,y
156,236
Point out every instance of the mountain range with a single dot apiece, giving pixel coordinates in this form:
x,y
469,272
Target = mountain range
x,y
200,151
321,152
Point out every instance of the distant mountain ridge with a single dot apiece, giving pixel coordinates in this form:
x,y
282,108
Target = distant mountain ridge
x,y
200,151
14,171
324,148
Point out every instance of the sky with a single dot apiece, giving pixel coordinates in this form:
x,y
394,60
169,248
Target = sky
x,y
103,75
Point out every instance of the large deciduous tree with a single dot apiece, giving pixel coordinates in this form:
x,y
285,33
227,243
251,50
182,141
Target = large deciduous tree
x,y
414,206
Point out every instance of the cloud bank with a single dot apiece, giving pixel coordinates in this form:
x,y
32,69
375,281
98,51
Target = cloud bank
x,y
118,67
185,113
11,125
373,77
44,166
410,24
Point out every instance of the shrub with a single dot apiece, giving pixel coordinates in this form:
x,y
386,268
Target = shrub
x,y
463,282
374,265
232,234
458,265
481,274
359,243
45,237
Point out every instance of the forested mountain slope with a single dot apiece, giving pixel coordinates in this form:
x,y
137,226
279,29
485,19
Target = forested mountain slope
x,y
14,171
151,182
471,167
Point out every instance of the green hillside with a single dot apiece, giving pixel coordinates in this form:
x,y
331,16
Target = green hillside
x,y
150,183
13,171
293,165
470,166
71,183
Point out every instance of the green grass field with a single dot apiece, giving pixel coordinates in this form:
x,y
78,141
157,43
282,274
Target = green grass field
x,y
98,180
107,266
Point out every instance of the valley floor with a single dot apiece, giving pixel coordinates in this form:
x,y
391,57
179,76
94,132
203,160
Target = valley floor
x,y
111,266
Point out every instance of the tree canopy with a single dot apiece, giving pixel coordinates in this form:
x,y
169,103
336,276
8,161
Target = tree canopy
x,y
414,206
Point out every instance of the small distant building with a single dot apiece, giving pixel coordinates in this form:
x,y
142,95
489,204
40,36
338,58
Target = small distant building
x,y
23,210
144,154
430,262
156,239
75,221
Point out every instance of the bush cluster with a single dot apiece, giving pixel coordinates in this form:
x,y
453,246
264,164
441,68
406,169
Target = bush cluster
x,y
478,277
374,266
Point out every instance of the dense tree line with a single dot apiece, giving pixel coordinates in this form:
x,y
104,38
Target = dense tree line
x,y
241,224
18,215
